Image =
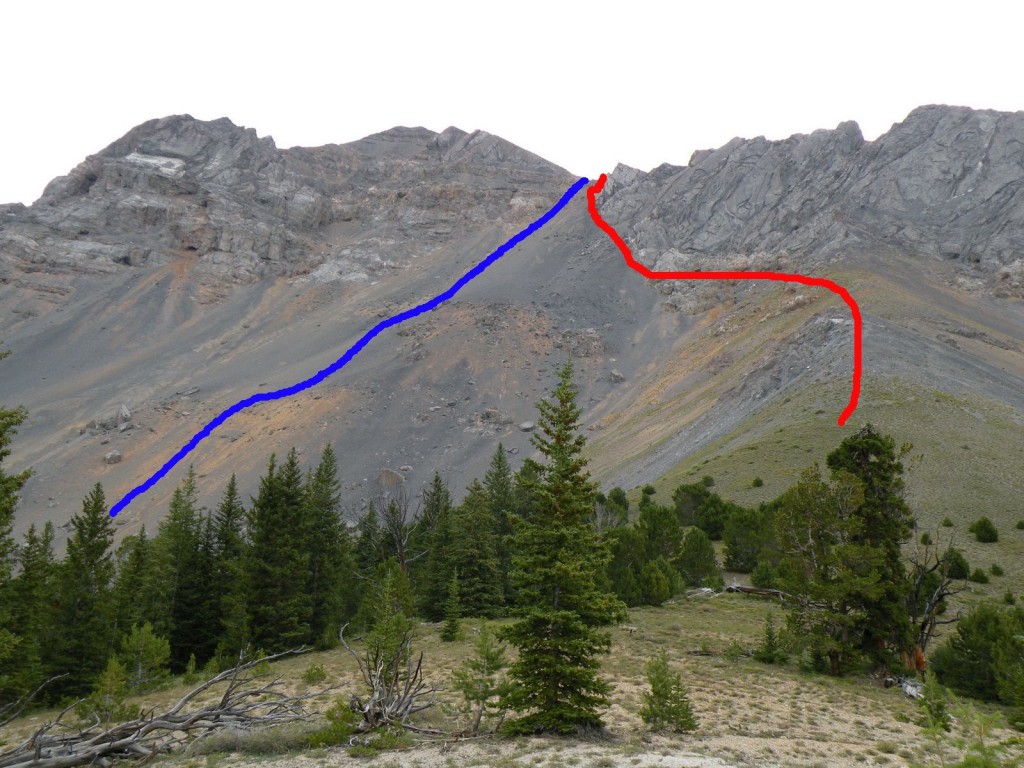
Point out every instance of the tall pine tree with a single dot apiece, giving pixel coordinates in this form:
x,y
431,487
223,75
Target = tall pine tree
x,y
85,637
499,485
33,616
181,578
133,565
10,487
277,564
557,574
329,550
230,547
886,524
473,554
433,576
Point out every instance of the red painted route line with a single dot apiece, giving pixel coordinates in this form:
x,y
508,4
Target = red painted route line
x,y
595,189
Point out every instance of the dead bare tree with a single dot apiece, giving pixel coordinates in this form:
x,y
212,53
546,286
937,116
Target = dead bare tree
x,y
397,524
394,678
243,705
13,710
930,587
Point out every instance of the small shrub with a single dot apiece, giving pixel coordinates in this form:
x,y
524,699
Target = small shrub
x,y
996,569
190,676
765,575
984,530
262,668
327,641
947,523
734,651
958,566
926,539
934,705
480,680
708,481
1020,525
342,724
144,656
314,674
770,651
1009,598
451,631
813,661
978,576
667,704
386,738
381,741
106,703
758,482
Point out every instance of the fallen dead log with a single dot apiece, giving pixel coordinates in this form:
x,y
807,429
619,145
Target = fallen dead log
x,y
912,688
776,593
244,705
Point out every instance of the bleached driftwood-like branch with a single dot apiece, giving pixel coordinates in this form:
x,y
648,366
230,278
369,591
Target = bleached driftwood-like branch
x,y
395,682
245,704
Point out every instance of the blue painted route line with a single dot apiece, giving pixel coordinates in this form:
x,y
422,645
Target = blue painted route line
x,y
341,362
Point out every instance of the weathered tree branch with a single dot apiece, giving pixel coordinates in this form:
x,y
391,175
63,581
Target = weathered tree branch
x,y
12,711
395,682
243,706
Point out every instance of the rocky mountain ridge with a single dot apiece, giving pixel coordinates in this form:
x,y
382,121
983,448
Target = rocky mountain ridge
x,y
190,264
945,184
239,209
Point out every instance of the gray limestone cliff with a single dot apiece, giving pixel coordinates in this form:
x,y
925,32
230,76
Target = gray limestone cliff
x,y
944,184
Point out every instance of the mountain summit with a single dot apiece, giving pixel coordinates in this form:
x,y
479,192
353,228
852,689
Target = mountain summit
x,y
190,264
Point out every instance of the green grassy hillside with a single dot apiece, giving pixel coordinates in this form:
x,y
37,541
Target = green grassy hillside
x,y
967,461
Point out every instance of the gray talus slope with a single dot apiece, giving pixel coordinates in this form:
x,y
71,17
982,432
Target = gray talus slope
x,y
192,254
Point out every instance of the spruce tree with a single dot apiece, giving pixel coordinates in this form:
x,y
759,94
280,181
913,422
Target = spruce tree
x,y
525,481
369,542
436,573
33,616
558,567
697,562
198,630
133,561
452,612
886,523
499,485
85,637
328,549
181,580
666,705
230,547
10,487
480,680
229,519
277,564
473,552
770,651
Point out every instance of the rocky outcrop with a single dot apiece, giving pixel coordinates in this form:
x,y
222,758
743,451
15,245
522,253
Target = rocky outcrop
x,y
233,208
943,184
192,264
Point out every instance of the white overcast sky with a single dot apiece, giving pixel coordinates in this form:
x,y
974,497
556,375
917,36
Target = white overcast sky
x,y
584,84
